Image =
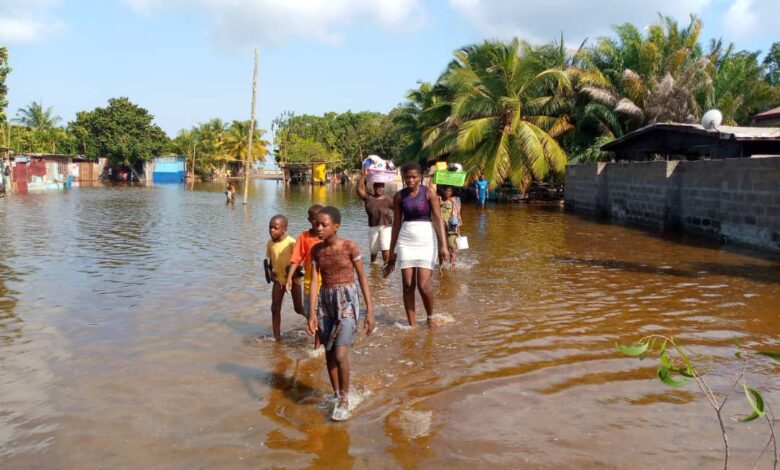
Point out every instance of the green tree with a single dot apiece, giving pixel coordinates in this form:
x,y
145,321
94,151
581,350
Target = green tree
x,y
346,138
42,123
496,110
661,76
5,69
307,150
236,142
740,86
38,118
771,62
122,131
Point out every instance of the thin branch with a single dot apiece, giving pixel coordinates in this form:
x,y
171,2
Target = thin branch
x,y
725,439
736,382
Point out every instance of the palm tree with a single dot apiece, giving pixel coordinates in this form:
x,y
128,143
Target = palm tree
x,y
42,122
423,117
505,113
659,77
36,117
235,142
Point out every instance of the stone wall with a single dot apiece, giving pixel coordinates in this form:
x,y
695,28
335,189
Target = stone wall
x,y
736,200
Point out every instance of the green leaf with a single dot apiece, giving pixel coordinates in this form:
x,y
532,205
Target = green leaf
x,y
688,363
632,350
665,360
773,355
738,355
665,376
756,402
685,373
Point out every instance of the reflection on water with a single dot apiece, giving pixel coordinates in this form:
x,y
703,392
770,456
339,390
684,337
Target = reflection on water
x,y
135,331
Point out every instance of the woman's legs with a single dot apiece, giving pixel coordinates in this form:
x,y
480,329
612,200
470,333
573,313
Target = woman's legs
x,y
409,279
425,286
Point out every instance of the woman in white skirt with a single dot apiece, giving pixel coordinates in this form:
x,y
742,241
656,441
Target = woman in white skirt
x,y
417,231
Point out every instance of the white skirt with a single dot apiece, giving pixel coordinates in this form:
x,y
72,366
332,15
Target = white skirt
x,y
416,247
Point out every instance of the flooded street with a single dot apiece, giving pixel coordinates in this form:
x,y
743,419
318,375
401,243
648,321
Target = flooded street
x,y
135,331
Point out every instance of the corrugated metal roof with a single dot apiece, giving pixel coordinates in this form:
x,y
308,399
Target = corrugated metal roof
x,y
721,132
750,132
774,112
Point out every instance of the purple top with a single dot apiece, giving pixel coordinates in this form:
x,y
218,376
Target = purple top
x,y
417,207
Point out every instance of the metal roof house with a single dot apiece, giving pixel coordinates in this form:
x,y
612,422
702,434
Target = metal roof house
x,y
769,118
693,142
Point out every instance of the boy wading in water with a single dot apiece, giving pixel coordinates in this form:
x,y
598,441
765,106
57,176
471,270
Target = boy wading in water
x,y
301,256
334,312
278,252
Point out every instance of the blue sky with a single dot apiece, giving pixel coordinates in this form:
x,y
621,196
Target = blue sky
x,y
191,60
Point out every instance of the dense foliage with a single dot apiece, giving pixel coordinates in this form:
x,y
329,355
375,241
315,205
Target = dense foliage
x,y
518,112
122,131
340,138
215,143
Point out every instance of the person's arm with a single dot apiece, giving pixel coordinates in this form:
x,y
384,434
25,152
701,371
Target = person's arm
x,y
295,260
438,225
361,186
358,263
311,326
397,220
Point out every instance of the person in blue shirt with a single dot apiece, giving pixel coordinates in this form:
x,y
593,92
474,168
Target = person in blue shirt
x,y
482,191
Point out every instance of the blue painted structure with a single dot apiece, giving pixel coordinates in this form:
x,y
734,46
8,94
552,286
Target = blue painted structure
x,y
169,170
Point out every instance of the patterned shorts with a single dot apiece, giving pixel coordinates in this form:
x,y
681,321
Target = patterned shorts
x,y
337,315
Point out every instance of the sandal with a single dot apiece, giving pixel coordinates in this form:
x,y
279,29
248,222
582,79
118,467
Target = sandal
x,y
340,413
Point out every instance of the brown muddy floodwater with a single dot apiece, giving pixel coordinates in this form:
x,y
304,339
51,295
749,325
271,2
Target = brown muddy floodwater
x,y
135,324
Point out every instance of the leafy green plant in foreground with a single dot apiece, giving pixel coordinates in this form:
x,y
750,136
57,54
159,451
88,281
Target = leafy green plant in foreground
x,y
675,369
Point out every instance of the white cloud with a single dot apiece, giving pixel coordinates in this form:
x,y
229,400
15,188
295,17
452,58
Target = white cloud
x,y
240,23
752,18
28,21
541,21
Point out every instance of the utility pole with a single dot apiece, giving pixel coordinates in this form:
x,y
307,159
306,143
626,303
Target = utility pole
x,y
251,128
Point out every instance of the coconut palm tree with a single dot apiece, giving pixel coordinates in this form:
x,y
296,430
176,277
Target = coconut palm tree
x,y
424,117
42,122
504,113
235,142
36,117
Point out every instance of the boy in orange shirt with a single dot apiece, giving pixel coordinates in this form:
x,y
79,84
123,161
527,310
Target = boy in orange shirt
x,y
301,255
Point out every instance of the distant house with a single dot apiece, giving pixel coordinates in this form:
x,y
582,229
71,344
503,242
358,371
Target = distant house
x,y
167,169
769,118
693,142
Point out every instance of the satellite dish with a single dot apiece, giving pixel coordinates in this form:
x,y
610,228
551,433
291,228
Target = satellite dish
x,y
711,119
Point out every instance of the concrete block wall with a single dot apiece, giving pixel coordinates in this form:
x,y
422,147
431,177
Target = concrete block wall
x,y
636,192
737,200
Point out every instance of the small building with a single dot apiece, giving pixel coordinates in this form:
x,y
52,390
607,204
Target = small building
x,y
693,142
769,118
167,169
